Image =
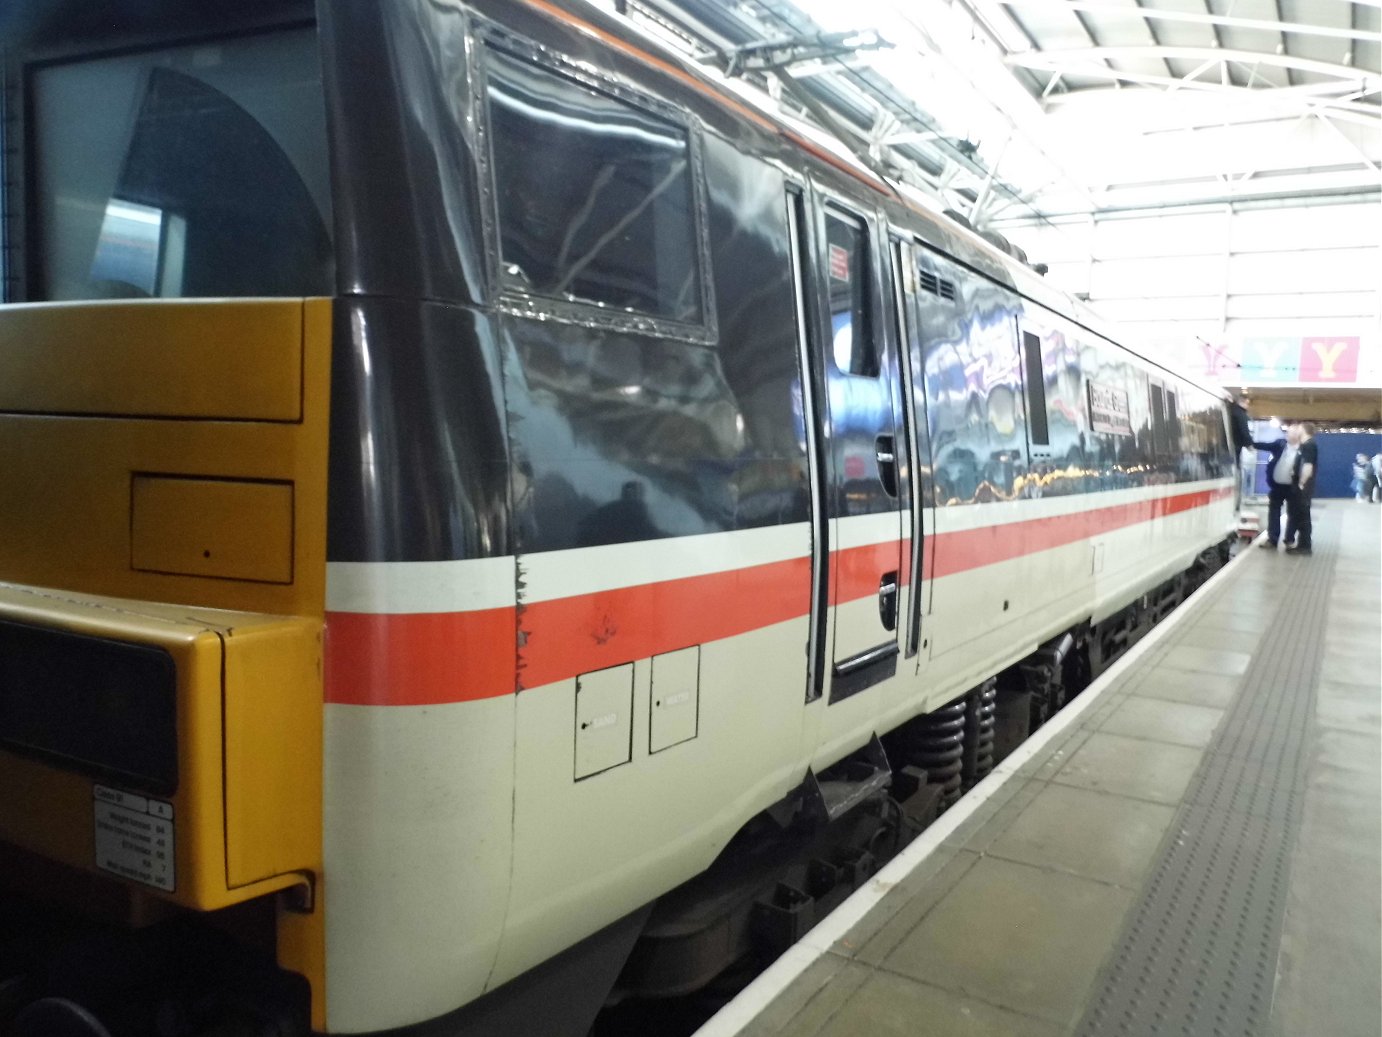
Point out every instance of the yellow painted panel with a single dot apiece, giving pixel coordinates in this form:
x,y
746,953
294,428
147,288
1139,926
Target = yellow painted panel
x,y
238,359
65,520
213,527
273,723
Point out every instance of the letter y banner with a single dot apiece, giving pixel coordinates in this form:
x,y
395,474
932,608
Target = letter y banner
x,y
1329,360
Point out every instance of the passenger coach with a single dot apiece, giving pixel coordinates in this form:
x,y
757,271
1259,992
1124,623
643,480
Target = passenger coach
x,y
462,467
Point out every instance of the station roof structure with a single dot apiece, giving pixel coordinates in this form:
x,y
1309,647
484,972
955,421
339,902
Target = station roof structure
x,y
1022,110
1026,116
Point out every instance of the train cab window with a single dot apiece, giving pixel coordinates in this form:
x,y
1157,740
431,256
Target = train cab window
x,y
848,275
188,171
595,195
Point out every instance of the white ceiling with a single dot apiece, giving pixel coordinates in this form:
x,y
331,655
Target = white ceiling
x,y
1019,110
1200,100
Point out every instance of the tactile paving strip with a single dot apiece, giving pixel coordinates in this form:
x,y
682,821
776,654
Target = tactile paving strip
x,y
1198,955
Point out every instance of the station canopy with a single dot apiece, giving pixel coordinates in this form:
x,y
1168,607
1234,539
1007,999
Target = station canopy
x,y
1019,110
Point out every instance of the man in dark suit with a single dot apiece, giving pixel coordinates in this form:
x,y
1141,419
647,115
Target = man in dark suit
x,y
1303,483
1281,481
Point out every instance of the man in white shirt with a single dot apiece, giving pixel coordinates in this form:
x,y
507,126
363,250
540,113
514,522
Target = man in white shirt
x,y
1280,479
1302,471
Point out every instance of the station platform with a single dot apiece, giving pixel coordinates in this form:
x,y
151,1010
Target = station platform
x,y
1192,847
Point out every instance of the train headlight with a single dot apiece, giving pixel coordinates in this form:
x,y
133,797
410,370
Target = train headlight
x,y
104,707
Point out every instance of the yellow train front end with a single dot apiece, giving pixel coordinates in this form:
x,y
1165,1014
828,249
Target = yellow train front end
x,y
161,587
165,345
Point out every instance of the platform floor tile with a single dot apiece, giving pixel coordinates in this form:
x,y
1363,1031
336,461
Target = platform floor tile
x,y
978,837
822,989
1024,938
1352,651
1046,766
1365,677
1230,616
1131,767
1206,690
1162,721
877,936
1349,707
889,1005
1092,834
1328,965
1206,660
1210,635
1345,760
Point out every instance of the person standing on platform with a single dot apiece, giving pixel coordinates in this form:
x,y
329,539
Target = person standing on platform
x,y
1362,477
1298,504
1280,481
1377,477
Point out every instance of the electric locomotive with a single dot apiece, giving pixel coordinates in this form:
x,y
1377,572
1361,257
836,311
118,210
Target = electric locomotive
x,y
464,468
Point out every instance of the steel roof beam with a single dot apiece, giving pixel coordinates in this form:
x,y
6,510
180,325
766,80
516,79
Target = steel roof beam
x,y
1156,39
1358,86
1281,47
1367,159
1311,95
1228,21
1225,76
1352,24
1347,89
1345,105
1082,62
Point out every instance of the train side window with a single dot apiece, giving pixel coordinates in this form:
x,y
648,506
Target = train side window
x,y
1173,438
1158,420
849,277
595,195
1036,390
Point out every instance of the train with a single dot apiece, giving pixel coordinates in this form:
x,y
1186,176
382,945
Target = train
x,y
469,473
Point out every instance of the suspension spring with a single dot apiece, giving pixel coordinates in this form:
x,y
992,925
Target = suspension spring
x,y
981,704
936,742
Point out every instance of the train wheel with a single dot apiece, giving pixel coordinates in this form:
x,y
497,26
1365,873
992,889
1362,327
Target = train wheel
x,y
56,1017
14,992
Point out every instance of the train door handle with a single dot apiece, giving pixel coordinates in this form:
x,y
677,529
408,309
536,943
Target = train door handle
x,y
886,452
887,600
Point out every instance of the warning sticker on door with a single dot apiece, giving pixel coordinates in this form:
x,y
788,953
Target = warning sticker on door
x,y
134,837
839,263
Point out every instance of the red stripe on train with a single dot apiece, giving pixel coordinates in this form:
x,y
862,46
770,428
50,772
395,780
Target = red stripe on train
x,y
419,659
967,549
567,636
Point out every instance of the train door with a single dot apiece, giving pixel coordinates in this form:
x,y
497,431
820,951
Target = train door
x,y
862,449
813,431
912,415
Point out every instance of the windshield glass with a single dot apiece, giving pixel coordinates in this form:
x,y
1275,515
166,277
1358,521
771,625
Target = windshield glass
x,y
194,171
